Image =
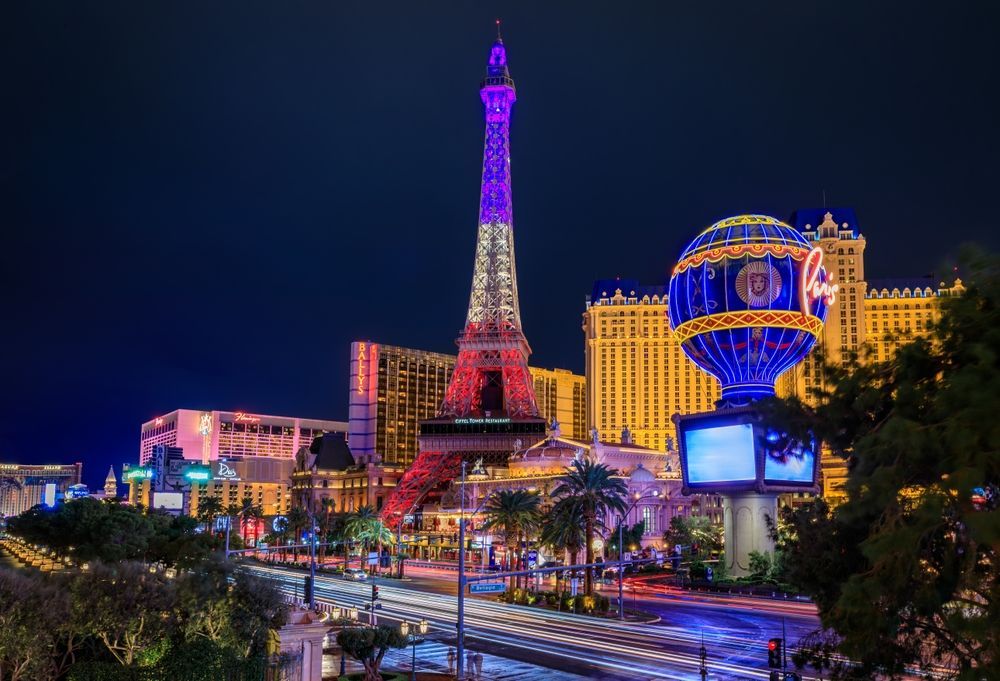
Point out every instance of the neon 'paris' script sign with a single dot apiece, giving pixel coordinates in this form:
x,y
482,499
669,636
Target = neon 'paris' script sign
x,y
810,287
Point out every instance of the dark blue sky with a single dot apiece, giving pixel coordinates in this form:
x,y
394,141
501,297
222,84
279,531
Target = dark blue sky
x,y
202,204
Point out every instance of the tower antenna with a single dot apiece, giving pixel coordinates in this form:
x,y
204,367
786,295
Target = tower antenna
x,y
498,30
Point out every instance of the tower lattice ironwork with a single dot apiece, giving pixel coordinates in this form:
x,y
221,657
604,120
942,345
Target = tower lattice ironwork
x,y
491,374
491,378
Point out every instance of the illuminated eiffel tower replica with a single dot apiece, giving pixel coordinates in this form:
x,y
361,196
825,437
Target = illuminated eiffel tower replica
x,y
489,409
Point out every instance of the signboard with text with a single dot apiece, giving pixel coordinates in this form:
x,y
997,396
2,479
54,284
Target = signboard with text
x,y
491,588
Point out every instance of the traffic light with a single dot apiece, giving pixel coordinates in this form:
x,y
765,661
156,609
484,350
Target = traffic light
x,y
374,592
774,653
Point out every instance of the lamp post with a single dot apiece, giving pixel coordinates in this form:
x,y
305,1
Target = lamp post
x,y
312,561
460,624
621,549
414,630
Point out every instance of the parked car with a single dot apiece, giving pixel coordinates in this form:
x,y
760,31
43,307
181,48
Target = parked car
x,y
355,574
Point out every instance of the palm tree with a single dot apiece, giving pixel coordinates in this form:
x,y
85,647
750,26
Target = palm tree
x,y
364,525
252,513
564,530
209,510
298,520
598,491
515,514
328,521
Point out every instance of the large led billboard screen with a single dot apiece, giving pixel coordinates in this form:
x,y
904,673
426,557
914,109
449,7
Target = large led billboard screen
x,y
168,501
733,450
788,463
721,454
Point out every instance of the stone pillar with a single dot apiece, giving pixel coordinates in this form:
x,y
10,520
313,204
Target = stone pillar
x,y
745,517
302,635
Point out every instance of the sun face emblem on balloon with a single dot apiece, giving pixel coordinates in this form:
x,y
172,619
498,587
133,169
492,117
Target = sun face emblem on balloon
x,y
758,284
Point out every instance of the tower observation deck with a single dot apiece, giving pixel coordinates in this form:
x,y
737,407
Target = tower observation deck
x,y
489,406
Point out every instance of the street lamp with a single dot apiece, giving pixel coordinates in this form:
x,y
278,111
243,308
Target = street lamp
x,y
637,497
419,628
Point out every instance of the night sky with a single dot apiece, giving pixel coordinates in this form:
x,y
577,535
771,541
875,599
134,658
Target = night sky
x,y
203,203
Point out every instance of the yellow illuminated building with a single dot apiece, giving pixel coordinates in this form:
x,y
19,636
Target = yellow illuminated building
x,y
637,374
562,395
897,311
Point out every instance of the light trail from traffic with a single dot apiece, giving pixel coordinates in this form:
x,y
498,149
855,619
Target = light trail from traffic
x,y
620,649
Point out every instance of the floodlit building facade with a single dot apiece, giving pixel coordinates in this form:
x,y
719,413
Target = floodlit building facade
x,y
25,485
327,474
210,435
637,376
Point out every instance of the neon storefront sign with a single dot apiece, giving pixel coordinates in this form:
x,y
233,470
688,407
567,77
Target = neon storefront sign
x,y
472,422
139,474
811,288
362,362
198,474
243,417
225,471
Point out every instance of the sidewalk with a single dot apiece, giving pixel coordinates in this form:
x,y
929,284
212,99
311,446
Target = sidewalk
x,y
432,656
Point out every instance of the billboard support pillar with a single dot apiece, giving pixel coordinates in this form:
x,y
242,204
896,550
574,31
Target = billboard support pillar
x,y
746,516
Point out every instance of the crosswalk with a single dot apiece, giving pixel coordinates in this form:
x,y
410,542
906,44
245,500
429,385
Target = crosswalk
x,y
433,656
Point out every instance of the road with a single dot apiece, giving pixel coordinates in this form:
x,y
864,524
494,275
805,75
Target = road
x,y
735,631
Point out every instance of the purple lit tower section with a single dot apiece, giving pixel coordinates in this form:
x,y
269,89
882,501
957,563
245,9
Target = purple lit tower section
x,y
498,95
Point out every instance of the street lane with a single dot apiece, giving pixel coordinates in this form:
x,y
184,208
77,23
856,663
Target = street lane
x,y
592,647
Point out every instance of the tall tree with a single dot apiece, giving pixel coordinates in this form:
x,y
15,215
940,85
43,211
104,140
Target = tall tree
x,y
905,572
564,530
368,645
598,490
516,515
209,509
298,520
366,526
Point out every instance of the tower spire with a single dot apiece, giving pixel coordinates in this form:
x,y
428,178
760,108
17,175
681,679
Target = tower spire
x,y
489,407
492,370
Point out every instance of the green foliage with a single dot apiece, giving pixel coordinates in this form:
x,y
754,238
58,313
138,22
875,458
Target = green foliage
x,y
760,566
564,528
368,645
125,621
90,530
30,613
631,537
696,529
905,572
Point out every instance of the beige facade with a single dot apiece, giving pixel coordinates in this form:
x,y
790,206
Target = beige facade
x,y
637,376
562,395
327,472
896,312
